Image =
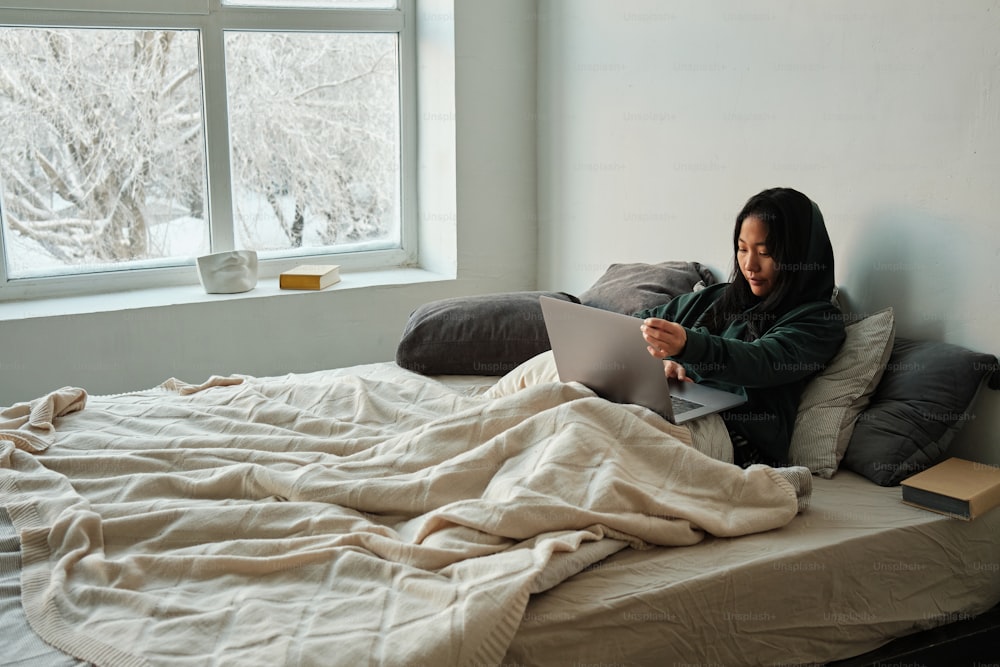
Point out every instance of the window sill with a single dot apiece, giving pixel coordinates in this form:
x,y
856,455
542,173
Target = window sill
x,y
267,288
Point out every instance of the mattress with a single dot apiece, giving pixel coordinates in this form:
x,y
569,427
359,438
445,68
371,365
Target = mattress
x,y
855,570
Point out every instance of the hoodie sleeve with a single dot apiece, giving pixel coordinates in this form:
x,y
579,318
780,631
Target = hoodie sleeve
x,y
796,347
685,309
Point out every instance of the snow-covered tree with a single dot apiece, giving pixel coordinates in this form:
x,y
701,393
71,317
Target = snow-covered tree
x,y
101,139
96,134
327,105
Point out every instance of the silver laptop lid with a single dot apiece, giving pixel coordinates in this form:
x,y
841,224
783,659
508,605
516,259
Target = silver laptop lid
x,y
606,352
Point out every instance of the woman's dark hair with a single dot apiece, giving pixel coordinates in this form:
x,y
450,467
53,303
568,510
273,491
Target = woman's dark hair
x,y
798,243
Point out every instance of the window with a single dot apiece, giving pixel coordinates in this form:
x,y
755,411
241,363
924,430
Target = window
x,y
137,136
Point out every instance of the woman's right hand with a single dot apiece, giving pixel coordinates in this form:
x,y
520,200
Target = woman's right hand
x,y
672,369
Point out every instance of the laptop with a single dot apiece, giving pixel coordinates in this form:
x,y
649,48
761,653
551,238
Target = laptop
x,y
606,352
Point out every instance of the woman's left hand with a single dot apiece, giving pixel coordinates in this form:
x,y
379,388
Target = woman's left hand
x,y
663,337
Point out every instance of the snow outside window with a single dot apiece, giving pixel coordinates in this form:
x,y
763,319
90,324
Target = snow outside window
x,y
132,144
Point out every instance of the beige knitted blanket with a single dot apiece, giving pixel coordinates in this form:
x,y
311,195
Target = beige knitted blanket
x,y
339,519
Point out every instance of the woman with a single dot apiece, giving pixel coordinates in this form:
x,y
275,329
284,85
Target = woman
x,y
767,331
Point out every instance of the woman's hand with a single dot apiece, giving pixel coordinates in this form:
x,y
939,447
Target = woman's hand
x,y
663,337
672,369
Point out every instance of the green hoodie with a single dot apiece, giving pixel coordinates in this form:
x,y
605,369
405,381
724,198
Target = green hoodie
x,y
770,368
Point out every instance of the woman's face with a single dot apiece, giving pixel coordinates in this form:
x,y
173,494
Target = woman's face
x,y
754,257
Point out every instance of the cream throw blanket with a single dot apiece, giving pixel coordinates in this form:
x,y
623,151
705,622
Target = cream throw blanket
x,y
338,519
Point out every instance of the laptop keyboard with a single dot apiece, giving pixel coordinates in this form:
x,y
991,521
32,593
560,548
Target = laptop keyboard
x,y
682,405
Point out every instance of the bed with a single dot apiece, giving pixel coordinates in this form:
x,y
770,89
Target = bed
x,y
455,507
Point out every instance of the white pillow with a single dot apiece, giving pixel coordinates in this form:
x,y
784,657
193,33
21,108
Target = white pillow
x,y
833,399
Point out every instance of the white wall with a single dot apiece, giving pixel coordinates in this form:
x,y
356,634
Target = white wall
x,y
489,128
657,120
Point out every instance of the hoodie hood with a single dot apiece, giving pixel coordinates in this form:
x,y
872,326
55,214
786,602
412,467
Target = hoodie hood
x,y
808,255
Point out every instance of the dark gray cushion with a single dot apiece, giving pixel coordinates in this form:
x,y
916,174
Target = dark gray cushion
x,y
476,335
924,397
629,288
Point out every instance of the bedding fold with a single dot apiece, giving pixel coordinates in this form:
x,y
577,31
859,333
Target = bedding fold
x,y
318,519
24,423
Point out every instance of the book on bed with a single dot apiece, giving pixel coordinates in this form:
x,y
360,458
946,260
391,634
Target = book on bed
x,y
956,487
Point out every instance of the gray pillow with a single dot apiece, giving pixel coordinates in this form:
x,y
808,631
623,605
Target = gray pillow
x,y
629,288
924,397
476,335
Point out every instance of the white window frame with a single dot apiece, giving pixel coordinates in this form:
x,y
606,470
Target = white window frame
x,y
211,20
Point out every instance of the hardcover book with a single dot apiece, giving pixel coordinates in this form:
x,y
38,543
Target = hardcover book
x,y
310,276
956,487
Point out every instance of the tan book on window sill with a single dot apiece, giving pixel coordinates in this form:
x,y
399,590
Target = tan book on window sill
x,y
956,487
310,276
